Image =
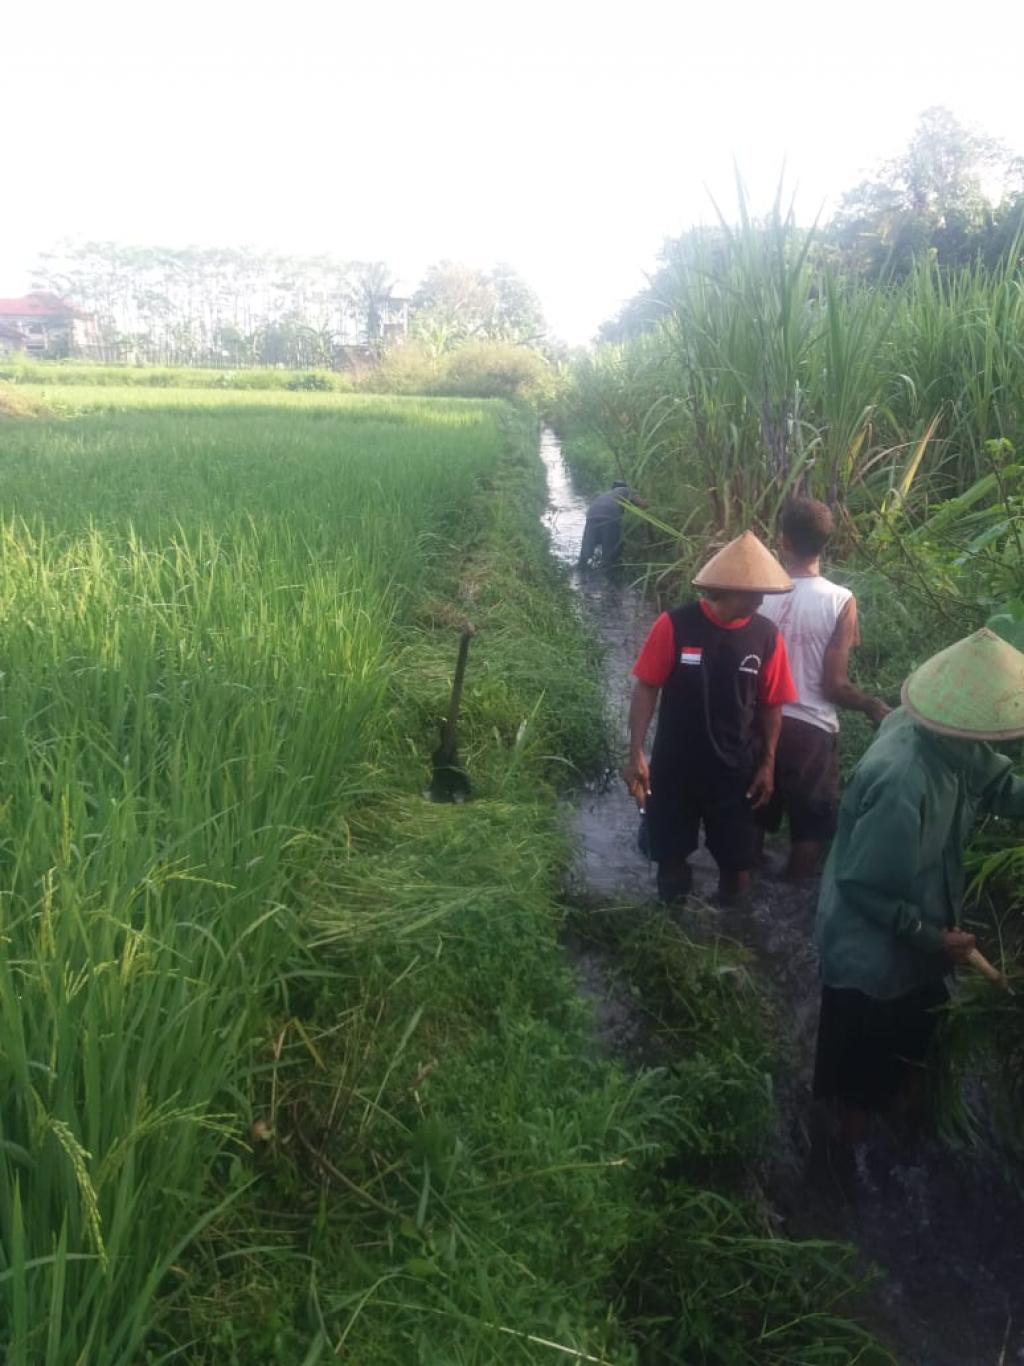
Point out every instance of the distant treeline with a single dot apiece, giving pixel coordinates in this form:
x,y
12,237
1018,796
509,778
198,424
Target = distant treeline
x,y
238,307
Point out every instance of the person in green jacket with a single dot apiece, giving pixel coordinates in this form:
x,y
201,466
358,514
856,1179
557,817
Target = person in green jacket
x,y
889,907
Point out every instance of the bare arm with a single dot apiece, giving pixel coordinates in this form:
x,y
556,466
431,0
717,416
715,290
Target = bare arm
x,y
836,682
641,708
763,784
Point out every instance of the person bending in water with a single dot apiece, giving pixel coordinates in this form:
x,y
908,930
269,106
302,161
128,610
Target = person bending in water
x,y
722,675
603,528
818,621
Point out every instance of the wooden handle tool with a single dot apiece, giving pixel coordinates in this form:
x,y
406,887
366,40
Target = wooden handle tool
x,y
978,961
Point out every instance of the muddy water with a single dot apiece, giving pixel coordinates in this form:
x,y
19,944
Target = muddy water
x,y
946,1233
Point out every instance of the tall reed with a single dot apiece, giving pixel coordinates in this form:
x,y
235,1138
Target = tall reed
x,y
771,372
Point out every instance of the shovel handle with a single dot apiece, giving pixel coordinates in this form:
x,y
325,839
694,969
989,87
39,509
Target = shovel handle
x,y
978,961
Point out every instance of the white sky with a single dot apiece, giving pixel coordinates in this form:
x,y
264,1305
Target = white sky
x,y
567,138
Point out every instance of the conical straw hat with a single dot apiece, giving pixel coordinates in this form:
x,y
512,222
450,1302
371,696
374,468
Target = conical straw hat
x,y
974,689
746,565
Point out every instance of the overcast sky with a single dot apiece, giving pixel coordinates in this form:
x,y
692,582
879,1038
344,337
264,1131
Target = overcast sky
x,y
566,138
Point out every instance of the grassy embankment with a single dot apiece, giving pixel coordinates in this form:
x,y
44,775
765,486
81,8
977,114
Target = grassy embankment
x,y
294,1065
476,369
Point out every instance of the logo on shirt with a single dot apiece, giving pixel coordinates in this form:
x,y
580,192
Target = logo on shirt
x,y
691,654
750,664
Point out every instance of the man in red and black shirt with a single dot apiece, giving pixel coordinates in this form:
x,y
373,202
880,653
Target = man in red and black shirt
x,y
722,675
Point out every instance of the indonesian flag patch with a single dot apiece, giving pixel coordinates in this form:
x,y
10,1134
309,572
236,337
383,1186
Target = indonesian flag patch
x,y
691,654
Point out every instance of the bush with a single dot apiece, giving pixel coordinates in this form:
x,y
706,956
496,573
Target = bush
x,y
478,369
310,380
406,369
489,369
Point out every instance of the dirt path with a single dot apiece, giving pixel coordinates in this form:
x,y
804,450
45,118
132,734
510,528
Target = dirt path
x,y
947,1233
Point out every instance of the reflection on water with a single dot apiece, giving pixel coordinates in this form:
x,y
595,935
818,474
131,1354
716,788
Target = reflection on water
x,y
567,511
608,863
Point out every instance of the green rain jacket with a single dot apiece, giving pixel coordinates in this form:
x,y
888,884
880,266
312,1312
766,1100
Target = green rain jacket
x,y
894,879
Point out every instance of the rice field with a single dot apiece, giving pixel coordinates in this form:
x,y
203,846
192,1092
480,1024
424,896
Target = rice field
x,y
294,1067
200,613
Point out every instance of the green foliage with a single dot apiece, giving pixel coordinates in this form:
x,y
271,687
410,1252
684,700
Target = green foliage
x,y
702,1277
495,369
477,369
15,404
456,303
194,305
769,375
294,1062
21,371
165,781
408,369
311,380
930,199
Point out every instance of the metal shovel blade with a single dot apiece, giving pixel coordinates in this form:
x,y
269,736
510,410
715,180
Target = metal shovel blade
x,y
449,782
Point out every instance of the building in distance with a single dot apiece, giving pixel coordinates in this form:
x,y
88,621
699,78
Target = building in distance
x,y
46,327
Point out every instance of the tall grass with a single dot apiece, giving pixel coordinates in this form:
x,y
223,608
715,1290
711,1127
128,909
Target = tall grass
x,y
771,372
196,624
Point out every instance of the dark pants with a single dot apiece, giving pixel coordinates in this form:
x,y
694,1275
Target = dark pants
x,y
713,797
806,782
869,1049
605,536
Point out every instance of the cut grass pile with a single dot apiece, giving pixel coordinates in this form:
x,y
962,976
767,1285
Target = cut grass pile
x,y
294,1068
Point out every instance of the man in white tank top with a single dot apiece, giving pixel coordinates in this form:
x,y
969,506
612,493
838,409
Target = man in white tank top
x,y
818,622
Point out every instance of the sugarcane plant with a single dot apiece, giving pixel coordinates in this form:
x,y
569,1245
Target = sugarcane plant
x,y
979,1078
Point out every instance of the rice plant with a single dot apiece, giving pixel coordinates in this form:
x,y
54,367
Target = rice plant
x,y
197,619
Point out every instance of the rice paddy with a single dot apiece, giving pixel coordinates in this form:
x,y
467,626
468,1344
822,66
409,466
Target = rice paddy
x,y
294,1065
200,622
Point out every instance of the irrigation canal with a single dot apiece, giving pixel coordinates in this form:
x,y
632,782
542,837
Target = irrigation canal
x,y
945,1231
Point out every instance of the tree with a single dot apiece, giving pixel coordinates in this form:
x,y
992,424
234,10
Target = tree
x,y
372,283
212,305
455,303
517,314
932,197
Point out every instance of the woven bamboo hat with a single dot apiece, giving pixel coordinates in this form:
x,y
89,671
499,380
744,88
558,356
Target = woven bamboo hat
x,y
974,689
745,565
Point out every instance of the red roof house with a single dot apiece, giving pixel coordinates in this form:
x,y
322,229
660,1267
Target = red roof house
x,y
47,327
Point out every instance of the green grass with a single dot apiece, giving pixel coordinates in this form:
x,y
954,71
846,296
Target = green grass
x,y
294,1064
20,370
74,400
771,372
198,621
